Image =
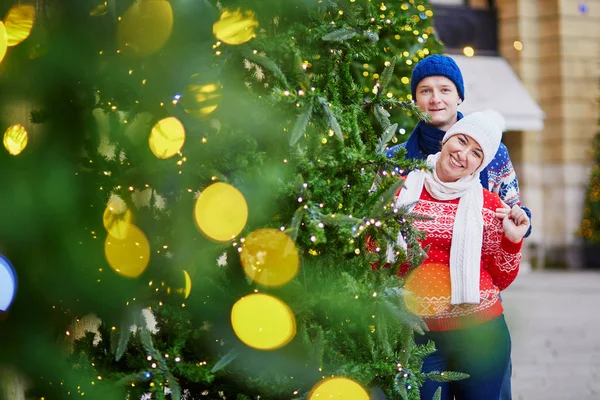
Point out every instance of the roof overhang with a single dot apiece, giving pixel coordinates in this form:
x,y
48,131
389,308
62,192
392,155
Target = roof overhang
x,y
490,83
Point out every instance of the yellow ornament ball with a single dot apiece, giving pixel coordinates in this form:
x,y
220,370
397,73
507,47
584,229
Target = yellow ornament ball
x,y
338,388
263,322
117,218
15,139
199,98
145,27
188,284
100,10
3,41
270,257
221,212
129,256
19,22
418,287
235,27
167,137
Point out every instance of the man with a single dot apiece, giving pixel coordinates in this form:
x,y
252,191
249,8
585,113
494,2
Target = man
x,y
438,89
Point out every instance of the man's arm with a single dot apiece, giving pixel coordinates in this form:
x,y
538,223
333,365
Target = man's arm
x,y
502,179
389,153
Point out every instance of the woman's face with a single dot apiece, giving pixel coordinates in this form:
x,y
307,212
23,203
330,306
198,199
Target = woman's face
x,y
461,155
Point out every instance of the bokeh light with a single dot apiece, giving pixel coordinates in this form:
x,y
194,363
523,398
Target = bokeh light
x,y
8,283
418,286
167,137
18,23
338,388
100,9
270,257
235,27
15,139
129,256
3,41
263,322
188,284
221,212
200,98
145,27
117,218
518,45
469,51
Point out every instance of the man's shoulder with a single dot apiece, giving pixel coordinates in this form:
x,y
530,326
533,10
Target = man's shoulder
x,y
502,153
501,160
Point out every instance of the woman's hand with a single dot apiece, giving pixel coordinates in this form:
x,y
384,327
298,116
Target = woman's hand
x,y
515,222
502,212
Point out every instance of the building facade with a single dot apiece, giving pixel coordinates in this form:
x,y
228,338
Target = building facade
x,y
553,46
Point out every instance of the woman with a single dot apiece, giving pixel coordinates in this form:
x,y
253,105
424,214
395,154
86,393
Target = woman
x,y
474,253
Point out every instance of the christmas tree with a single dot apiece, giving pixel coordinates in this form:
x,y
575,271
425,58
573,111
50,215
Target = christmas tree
x,y
200,202
589,229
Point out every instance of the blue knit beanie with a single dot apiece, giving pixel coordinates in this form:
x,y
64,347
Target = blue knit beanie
x,y
437,65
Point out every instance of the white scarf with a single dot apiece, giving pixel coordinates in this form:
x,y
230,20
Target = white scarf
x,y
467,232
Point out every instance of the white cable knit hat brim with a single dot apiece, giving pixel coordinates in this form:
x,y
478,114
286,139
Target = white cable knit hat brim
x,y
485,127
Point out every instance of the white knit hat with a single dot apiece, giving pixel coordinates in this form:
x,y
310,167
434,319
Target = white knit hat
x,y
485,127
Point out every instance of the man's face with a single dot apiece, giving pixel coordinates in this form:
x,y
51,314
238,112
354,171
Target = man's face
x,y
438,97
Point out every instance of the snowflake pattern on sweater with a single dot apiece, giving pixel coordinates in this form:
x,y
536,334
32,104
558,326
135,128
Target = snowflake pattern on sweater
x,y
429,284
501,177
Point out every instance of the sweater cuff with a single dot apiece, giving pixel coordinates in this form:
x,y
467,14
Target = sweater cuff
x,y
528,212
510,247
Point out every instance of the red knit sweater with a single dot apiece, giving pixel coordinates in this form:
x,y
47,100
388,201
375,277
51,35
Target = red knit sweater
x,y
429,284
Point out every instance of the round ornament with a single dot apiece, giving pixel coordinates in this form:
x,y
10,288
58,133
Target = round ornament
x,y
145,27
263,322
15,139
338,388
419,287
3,41
167,137
8,283
235,27
270,257
18,23
200,97
128,256
221,212
117,218
188,284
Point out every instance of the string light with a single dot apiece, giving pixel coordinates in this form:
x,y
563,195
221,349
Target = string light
x,y
518,45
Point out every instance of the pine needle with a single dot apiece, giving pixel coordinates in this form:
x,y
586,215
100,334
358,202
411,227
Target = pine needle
x,y
300,125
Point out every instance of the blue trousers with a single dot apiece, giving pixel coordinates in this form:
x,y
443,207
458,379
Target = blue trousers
x,y
506,391
482,351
